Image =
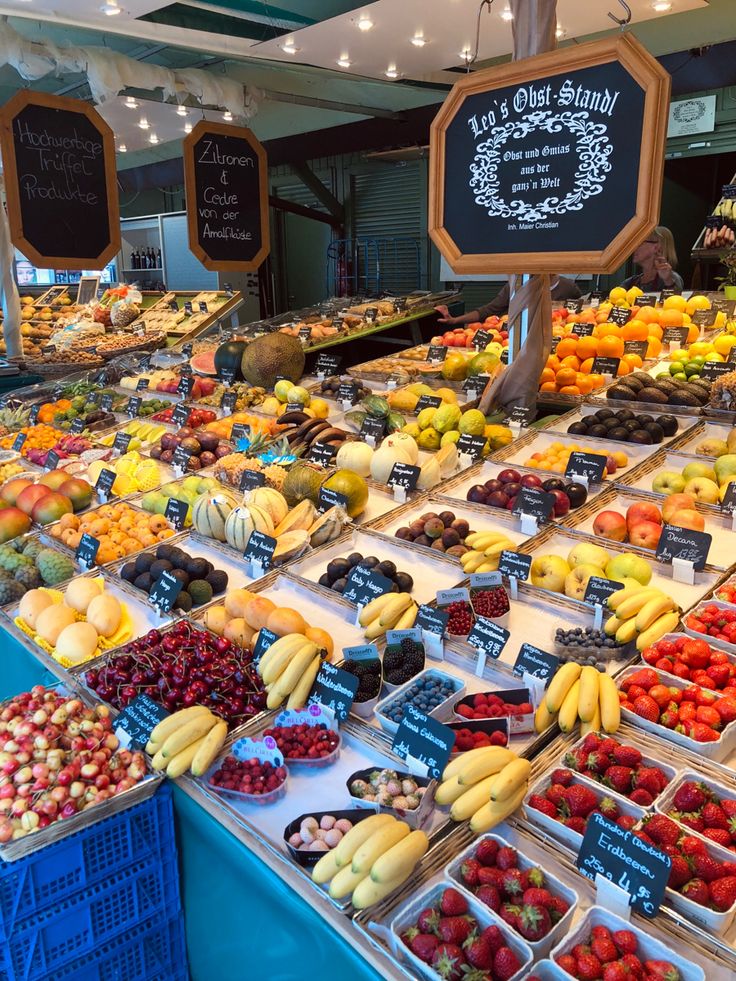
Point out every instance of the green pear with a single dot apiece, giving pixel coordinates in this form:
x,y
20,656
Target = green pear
x,y
725,466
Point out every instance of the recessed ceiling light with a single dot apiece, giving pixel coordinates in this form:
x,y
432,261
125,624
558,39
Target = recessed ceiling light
x,y
344,61
143,123
130,103
364,22
419,40
182,111
110,8
153,138
661,6
187,127
506,14
391,72
227,116
289,47
122,148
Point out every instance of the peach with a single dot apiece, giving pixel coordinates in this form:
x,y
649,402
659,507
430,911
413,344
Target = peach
x,y
257,610
687,518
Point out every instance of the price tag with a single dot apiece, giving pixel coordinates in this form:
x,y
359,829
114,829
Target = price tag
x,y
489,639
348,392
675,335
259,552
422,740
134,405
58,392
364,585
476,385
227,377
710,370
396,636
576,305
428,402
457,595
584,329
180,459
87,551
52,460
521,415
505,356
327,364
595,297
188,308
606,366
704,318
176,512
293,407
533,503
143,384
471,446
203,308
728,504
19,441
481,339
48,349
33,415
322,453
165,592
433,624
136,722
77,426
121,442
185,386
403,478
685,545
335,689
619,315
722,305
329,498
263,643
104,483
515,565
636,347
646,300
668,292
239,431
372,430
635,866
598,590
400,304
371,315
228,402
174,306
533,660
106,403
587,468
229,291
305,333
436,353
250,479
180,416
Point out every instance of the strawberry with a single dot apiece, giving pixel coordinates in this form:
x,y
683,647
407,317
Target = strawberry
x,y
534,922
453,903
591,742
634,966
650,778
506,858
490,877
598,762
556,794
589,967
576,824
697,890
690,796
641,797
604,949
661,830
705,867
627,756
619,778
487,851
617,971
691,846
625,940
509,913
608,808
478,952
448,962
557,908
427,920
494,937
580,950
469,872
424,946
490,897
505,964
513,883
713,816
601,932
561,775
568,963
626,821
719,835
728,806
454,929
661,971
701,733
579,801
535,896
691,819
726,708
723,893
680,872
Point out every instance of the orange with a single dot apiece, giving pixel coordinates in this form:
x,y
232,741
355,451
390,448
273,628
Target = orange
x,y
547,376
632,360
569,390
678,303
648,315
571,362
609,330
548,387
587,347
655,331
596,380
602,316
553,362
566,376
693,333
566,347
583,383
587,366
670,317
623,368
654,348
612,347
635,330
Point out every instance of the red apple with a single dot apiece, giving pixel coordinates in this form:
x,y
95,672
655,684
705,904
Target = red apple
x,y
610,525
642,511
509,477
530,480
611,465
562,503
645,534
688,518
677,502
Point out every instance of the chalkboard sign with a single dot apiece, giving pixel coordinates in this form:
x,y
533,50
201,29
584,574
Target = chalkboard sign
x,y
728,504
535,502
134,405
329,498
87,550
515,565
185,386
327,364
488,637
265,639
229,400
704,318
240,430
597,590
436,353
19,441
104,483
576,305
259,549
428,402
521,414
685,544
176,512
335,689
372,428
348,392
250,479
636,347
533,660
619,315
404,475
136,722
675,335
121,442
606,366
584,329
586,466
364,585
710,370
471,446
226,181
425,740
553,162
60,181
476,385
33,414
481,339
142,384
180,415
77,426
87,289
52,460
165,591
322,453
646,300
106,403
432,620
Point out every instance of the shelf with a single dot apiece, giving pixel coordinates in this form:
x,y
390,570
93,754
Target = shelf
x,y
148,270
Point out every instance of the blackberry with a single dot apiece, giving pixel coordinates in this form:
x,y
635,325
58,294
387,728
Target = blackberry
x,y
369,678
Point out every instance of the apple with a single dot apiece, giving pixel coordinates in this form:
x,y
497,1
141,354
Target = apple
x,y
642,511
629,565
645,534
724,467
549,572
703,489
687,518
698,470
577,579
530,480
587,553
562,503
676,502
497,499
610,525
578,494
611,465
509,477
669,482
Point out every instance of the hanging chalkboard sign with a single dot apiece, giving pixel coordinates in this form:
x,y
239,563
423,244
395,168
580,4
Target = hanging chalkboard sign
x,y
551,163
226,180
60,181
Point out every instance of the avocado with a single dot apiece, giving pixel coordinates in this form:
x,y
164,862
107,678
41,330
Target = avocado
x,y
652,394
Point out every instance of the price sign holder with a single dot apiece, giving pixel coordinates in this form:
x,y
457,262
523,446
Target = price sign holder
x,y
136,722
258,553
104,483
335,689
516,566
475,386
470,449
531,507
533,661
180,415
728,504
619,315
686,550
134,405
176,512
87,551
423,742
597,591
433,624
585,468
436,353
481,339
427,402
489,640
164,592
606,366
327,364
329,498
19,441
229,401
142,385
250,479
403,478
52,460
372,430
348,394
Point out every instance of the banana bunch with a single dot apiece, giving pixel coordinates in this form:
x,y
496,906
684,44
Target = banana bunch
x,y
187,740
484,786
288,669
485,551
375,857
392,611
579,694
644,614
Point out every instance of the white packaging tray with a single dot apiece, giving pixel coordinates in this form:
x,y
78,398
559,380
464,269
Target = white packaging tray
x,y
635,453
665,801
443,712
713,641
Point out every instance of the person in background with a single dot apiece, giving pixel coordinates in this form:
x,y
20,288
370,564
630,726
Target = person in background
x,y
657,259
561,288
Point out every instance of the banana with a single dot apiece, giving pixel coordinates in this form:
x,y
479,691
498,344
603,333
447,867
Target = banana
x,y
374,630
152,748
561,685
661,626
612,625
455,766
172,722
278,664
617,598
158,762
325,869
588,694
359,833
594,725
187,734
378,843
300,694
510,780
449,791
401,858
482,539
289,642
485,766
569,709
627,631
493,812
652,610
490,565
408,617
610,704
209,747
289,678
344,882
472,561
180,763
393,609
368,892
496,549
632,604
474,797
371,610
543,718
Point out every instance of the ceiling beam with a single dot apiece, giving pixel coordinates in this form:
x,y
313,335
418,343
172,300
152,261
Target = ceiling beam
x,y
297,209
306,100
318,189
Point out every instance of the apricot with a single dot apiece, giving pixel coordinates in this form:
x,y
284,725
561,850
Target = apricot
x,y
321,638
164,534
68,521
283,620
256,611
157,522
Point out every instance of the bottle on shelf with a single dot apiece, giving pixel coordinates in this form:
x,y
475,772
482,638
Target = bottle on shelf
x,y
158,259
150,258
132,259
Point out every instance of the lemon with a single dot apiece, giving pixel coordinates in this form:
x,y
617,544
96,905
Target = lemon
x,y
320,408
617,295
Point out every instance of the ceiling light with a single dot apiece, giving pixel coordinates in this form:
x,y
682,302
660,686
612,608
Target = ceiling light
x,y
364,22
560,31
187,127
143,123
506,14
110,8
130,103
153,138
182,111
122,148
391,72
418,40
465,53
344,61
227,116
661,6
289,47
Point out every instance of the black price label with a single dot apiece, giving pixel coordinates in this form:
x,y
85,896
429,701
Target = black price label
x,y
598,590
52,460
400,304
675,335
646,300
185,386
327,364
371,315
87,551
668,292
165,591
481,339
704,318
335,689
488,637
240,430
710,370
136,722
432,620
106,403
265,639
373,428
637,867
364,585
260,549
143,384
104,483
428,402
134,406
471,446
33,415
329,498
19,441
584,329
576,305
515,565
48,349
536,503
636,347
424,739
185,370
619,315
348,392
585,466
176,512
596,296
250,479
505,356
173,305
229,291
476,385
180,415
121,442
294,407
606,366
203,308
227,377
229,401
404,475
436,353
188,308
533,660
728,504
322,453
721,305
180,459
305,333
684,544
58,392
77,426
522,414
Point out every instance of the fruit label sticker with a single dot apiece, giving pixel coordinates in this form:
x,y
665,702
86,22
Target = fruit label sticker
x,y
619,315
180,415
533,660
489,639
533,503
597,590
606,366
143,384
476,385
323,454
334,688
227,377
259,552
77,426
329,498
372,429
134,405
364,585
363,652
327,364
250,479
136,722
636,347
683,544
575,305
19,441
185,386
704,318
312,715
258,749
87,551
457,595
265,639
710,370
52,460
176,512
411,633
471,446
229,401
239,431
348,393
428,402
436,353
423,742
674,335
635,866
403,478
481,339
104,484
587,468
433,624
584,329
180,459
165,591
485,580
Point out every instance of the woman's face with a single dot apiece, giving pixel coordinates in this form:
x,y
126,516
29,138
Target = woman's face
x,y
646,252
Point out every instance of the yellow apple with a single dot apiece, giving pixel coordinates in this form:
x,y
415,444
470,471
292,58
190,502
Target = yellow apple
x,y
628,564
549,572
587,553
702,489
577,579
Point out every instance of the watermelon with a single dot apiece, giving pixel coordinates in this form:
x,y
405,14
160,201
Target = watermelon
x,y
228,356
204,364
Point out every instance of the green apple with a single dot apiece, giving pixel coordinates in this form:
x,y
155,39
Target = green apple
x,y
577,579
549,572
725,466
680,376
680,355
702,489
587,553
698,470
629,565
668,482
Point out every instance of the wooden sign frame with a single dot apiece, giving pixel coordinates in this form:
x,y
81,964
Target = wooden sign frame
x,y
645,71
9,111
241,133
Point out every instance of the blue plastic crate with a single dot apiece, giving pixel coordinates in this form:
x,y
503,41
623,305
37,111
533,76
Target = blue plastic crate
x,y
62,870
41,944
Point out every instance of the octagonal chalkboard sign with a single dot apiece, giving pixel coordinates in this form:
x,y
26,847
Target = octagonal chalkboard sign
x,y
552,163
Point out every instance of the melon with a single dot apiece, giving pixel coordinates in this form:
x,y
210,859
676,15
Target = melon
x,y
406,444
267,357
229,356
238,528
355,456
301,483
204,363
353,487
383,460
210,512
